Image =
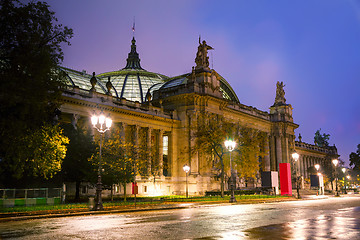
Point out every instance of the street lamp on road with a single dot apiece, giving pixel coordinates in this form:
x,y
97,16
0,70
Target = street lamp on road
x,y
295,156
348,177
344,170
230,145
186,169
335,162
102,124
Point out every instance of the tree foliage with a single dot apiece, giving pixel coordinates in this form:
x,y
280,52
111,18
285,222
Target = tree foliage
x,y
122,159
210,134
321,140
354,158
117,160
250,150
39,153
76,166
30,52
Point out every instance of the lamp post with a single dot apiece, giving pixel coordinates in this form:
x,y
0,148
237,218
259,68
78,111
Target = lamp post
x,y
186,169
317,167
335,162
348,177
230,145
344,170
295,156
102,124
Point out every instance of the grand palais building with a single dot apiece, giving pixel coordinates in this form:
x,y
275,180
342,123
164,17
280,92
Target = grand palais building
x,y
162,111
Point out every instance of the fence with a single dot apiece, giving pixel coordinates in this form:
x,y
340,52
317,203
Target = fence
x,y
30,197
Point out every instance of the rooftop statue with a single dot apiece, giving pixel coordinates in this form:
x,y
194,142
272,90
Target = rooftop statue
x,y
202,59
280,93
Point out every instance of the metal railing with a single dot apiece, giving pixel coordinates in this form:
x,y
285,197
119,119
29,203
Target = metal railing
x,y
34,196
30,193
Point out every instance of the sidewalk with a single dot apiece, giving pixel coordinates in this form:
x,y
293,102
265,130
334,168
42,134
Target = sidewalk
x,y
19,216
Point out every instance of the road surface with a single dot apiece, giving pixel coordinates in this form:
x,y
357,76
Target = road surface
x,y
333,218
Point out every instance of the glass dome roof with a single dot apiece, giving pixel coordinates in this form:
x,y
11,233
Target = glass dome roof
x,y
81,80
131,82
225,88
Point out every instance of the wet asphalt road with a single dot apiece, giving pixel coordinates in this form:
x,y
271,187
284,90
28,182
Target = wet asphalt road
x,y
333,218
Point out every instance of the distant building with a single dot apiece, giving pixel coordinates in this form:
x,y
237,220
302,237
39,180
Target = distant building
x,y
162,109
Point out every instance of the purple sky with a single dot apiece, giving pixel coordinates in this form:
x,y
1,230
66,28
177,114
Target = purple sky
x,y
312,46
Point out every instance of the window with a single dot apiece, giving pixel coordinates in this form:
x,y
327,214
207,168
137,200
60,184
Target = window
x,y
165,156
117,188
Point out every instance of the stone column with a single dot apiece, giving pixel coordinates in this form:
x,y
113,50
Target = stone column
x,y
267,156
193,158
161,133
308,164
170,149
278,151
74,119
136,145
123,132
312,162
286,155
273,154
301,161
303,158
149,149
299,165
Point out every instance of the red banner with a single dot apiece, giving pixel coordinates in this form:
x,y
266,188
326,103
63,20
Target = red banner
x,y
285,179
134,188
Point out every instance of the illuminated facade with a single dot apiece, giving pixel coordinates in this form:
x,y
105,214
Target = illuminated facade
x,y
162,111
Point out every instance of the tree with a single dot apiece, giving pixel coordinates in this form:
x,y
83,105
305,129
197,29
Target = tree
x,y
117,162
30,89
39,154
210,134
354,158
76,166
250,150
321,140
122,159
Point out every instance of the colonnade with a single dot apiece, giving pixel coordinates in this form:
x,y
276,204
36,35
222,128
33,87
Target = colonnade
x,y
149,139
307,161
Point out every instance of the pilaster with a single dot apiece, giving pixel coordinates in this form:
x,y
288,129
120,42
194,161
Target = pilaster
x,y
161,151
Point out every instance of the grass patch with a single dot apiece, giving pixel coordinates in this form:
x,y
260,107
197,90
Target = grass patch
x,y
43,208
130,203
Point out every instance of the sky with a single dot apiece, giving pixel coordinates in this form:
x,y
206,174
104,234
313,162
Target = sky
x,y
313,46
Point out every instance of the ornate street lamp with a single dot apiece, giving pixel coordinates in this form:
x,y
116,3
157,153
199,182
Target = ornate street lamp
x,y
102,124
335,162
317,167
296,156
230,145
344,170
186,169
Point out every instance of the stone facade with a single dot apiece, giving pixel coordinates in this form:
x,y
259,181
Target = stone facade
x,y
166,117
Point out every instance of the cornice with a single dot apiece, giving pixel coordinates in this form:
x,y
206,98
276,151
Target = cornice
x,y
118,107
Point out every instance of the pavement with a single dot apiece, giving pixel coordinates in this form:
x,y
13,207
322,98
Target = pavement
x,y
19,216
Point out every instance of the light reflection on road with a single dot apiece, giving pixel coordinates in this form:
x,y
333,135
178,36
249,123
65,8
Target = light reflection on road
x,y
343,224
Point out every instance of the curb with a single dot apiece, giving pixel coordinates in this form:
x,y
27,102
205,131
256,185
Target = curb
x,y
128,210
86,213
